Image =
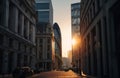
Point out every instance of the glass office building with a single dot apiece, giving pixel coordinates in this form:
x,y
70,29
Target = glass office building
x,y
45,11
75,18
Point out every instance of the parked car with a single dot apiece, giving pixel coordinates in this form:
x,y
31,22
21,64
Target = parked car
x,y
22,72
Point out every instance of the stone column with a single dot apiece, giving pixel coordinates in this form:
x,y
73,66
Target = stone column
x,y
104,48
22,24
87,61
33,33
5,10
91,54
16,19
98,45
27,28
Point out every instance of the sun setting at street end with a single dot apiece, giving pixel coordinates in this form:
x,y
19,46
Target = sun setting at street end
x,y
59,39
73,41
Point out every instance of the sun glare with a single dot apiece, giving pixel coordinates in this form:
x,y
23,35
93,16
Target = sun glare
x,y
73,42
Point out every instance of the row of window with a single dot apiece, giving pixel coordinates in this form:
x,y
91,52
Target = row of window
x,y
41,56
75,6
95,43
12,42
75,13
42,6
21,19
88,17
43,16
27,60
76,21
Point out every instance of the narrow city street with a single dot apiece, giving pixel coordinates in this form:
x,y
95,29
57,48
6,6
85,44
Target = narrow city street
x,y
57,74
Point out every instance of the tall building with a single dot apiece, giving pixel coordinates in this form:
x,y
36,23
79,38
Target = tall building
x,y
75,18
58,46
99,29
44,35
44,46
45,11
17,34
75,23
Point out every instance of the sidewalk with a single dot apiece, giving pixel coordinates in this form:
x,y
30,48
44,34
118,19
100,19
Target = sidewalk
x,y
83,75
6,76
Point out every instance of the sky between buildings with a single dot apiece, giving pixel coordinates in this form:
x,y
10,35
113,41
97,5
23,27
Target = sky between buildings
x,y
62,15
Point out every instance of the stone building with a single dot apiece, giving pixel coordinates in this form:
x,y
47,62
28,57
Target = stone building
x,y
17,34
100,33
44,35
44,38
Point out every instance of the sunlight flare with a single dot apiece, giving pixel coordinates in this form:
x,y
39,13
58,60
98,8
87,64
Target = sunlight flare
x,y
73,41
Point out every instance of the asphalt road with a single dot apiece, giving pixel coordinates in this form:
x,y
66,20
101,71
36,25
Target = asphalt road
x,y
57,74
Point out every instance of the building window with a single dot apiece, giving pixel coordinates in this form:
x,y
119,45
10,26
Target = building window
x,y
98,5
90,13
30,62
25,28
25,60
30,50
1,60
19,60
40,55
1,12
49,40
43,16
19,46
41,41
42,6
41,47
25,48
10,61
10,21
10,42
1,39
48,56
19,23
48,48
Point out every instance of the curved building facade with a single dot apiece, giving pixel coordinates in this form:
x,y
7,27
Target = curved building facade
x,y
58,46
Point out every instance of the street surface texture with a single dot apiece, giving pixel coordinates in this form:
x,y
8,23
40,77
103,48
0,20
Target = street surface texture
x,y
57,74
